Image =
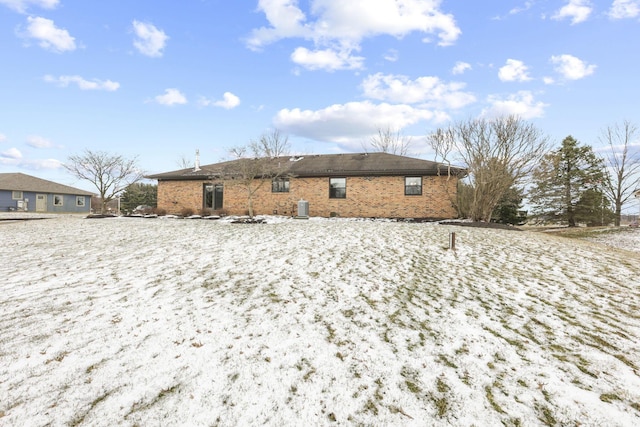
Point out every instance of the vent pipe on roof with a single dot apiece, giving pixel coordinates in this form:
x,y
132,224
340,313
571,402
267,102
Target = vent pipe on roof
x,y
196,167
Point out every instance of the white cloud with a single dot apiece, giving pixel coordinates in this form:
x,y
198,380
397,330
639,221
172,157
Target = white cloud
x,y
11,154
513,71
38,142
517,10
461,67
338,26
428,91
49,37
286,20
150,40
392,55
572,68
171,97
326,59
621,9
228,101
22,5
14,158
520,104
39,164
349,123
3,137
577,10
94,84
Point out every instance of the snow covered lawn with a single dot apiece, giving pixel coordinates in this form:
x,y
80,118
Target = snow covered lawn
x,y
162,322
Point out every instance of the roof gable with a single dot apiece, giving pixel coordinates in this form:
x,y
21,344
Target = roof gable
x,y
22,182
323,165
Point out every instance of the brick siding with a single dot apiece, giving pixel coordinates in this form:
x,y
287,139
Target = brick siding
x,y
378,196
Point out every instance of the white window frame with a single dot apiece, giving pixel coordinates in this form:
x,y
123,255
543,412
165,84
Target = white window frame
x,y
81,201
58,200
17,195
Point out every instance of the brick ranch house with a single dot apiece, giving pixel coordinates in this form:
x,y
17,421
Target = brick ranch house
x,y
347,185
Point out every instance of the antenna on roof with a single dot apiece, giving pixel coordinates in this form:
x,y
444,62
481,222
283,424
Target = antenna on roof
x,y
196,167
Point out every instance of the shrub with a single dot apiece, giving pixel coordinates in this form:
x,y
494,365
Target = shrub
x,y
186,212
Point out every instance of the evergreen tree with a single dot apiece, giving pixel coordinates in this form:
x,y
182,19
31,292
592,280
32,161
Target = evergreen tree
x,y
138,194
562,178
507,211
593,209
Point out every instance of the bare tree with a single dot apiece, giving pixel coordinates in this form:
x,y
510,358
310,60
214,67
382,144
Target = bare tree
x,y
272,144
259,162
184,162
110,174
623,164
390,141
497,154
443,142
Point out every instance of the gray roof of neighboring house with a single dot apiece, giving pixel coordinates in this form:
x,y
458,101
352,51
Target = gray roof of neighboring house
x,y
22,182
325,165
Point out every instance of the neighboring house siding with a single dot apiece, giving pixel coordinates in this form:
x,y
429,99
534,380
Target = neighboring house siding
x,y
57,198
6,201
69,202
375,196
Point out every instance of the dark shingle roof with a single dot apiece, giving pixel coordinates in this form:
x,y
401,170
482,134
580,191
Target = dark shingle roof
x,y
350,164
22,182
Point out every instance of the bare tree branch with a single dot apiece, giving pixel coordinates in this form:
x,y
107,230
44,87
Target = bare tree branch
x,y
623,164
110,174
497,154
259,162
390,141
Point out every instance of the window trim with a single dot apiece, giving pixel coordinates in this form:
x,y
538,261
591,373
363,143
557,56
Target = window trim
x,y
14,197
280,185
412,186
214,189
332,190
56,198
81,201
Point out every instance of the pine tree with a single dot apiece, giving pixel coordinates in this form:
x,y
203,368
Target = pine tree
x,y
594,209
562,178
508,210
138,194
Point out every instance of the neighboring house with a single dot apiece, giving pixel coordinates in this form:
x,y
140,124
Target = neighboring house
x,y
22,192
348,185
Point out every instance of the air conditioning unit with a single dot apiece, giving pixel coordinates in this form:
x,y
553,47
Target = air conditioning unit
x,y
303,209
21,205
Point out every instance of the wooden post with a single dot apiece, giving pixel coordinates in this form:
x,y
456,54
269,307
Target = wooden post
x,y
452,240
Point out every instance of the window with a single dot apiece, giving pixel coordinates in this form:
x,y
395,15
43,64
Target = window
x,y
57,200
413,186
80,201
337,188
16,195
213,196
280,185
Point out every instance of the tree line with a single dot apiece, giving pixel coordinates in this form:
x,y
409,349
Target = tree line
x,y
507,160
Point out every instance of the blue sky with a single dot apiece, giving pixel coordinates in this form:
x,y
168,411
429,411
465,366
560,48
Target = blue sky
x,y
158,79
